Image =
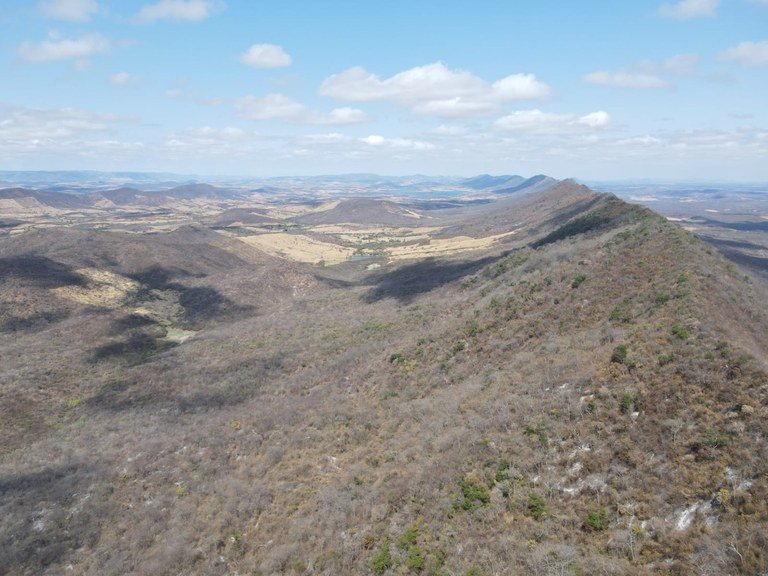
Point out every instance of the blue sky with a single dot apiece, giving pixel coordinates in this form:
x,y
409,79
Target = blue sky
x,y
594,90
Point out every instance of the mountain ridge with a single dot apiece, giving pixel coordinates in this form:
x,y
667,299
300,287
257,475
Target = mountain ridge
x,y
586,394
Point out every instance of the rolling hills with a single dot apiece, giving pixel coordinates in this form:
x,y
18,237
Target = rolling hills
x,y
552,383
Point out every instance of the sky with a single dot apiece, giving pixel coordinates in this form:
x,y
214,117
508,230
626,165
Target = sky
x,y
596,90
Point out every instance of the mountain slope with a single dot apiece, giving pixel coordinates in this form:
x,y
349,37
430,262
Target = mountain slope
x,y
363,211
589,399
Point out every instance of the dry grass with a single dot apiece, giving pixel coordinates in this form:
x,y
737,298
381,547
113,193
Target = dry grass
x,y
299,248
103,288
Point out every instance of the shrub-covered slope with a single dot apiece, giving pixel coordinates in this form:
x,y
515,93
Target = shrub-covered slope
x,y
591,400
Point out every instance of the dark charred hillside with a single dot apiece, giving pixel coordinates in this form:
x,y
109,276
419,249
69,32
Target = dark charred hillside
x,y
590,398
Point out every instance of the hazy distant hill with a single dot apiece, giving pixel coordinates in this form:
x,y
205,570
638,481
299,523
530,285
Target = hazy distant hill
x,y
188,191
26,198
533,184
488,182
364,211
124,196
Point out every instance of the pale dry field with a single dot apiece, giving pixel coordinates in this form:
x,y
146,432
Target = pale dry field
x,y
299,248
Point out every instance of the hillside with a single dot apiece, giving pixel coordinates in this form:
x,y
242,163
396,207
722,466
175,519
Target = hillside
x,y
586,395
363,211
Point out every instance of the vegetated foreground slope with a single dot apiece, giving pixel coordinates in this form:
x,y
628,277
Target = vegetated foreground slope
x,y
588,398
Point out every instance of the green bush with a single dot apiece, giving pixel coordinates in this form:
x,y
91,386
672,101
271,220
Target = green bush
x,y
539,431
537,507
626,402
680,332
383,559
415,560
596,521
622,312
471,493
715,439
458,347
661,299
665,359
502,471
578,281
620,354
408,538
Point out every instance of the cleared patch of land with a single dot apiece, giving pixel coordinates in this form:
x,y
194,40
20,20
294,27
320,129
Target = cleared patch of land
x,y
299,247
103,288
445,246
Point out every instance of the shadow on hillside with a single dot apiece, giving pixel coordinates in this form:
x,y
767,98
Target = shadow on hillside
x,y
46,540
407,282
213,390
32,323
741,226
731,249
721,243
200,303
135,349
42,271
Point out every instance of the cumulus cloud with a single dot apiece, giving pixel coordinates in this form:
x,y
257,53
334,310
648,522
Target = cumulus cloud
x,y
68,10
123,79
265,56
434,90
680,64
227,140
30,127
269,107
340,116
401,143
623,79
278,106
688,9
64,49
189,10
748,53
538,122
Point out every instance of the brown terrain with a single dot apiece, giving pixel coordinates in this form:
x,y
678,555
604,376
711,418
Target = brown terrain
x,y
193,382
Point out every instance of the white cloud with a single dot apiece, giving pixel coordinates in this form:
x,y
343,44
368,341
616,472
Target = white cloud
x,y
265,56
123,79
63,49
225,140
269,107
68,10
399,143
434,90
748,53
30,127
680,64
327,138
687,9
189,10
278,106
538,122
340,116
449,130
623,79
